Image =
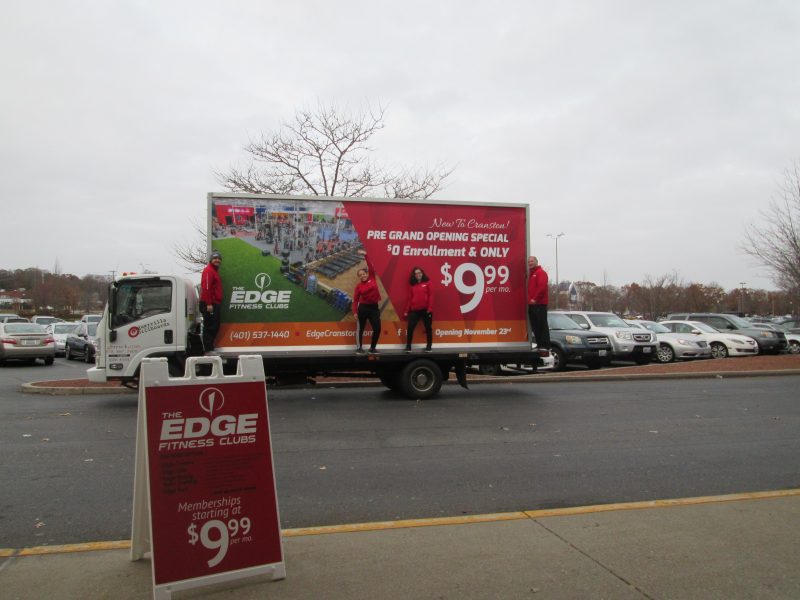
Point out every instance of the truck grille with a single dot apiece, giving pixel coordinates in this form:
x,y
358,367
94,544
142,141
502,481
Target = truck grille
x,y
641,337
597,340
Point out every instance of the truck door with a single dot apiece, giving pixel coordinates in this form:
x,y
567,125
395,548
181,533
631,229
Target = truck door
x,y
142,323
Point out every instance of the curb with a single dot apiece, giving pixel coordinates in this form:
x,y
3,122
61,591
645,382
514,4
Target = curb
x,y
32,388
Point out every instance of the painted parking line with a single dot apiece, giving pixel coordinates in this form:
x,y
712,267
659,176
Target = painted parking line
x,y
441,521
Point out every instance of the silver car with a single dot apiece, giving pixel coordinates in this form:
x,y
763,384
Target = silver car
x,y
26,341
674,345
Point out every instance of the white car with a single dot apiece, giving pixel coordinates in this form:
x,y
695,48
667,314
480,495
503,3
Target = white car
x,y
723,344
793,339
60,333
672,345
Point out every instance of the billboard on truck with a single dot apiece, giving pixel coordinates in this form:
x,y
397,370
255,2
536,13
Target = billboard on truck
x,y
290,267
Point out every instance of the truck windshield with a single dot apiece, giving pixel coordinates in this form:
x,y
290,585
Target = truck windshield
x,y
140,298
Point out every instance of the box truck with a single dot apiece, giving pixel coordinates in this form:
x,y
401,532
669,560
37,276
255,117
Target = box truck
x,y
288,273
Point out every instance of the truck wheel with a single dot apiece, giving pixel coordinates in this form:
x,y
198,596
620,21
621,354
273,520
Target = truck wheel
x,y
421,379
559,362
391,379
665,353
489,369
49,360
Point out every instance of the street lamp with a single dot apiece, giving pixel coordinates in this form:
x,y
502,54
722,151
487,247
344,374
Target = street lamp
x,y
555,237
741,297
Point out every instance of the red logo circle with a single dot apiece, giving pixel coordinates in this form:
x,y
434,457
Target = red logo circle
x,y
133,332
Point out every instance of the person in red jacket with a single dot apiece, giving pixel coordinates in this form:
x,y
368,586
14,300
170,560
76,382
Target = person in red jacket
x,y
420,306
538,298
366,299
211,300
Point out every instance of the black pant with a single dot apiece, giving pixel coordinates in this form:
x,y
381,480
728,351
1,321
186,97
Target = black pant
x,y
427,320
210,325
371,313
537,313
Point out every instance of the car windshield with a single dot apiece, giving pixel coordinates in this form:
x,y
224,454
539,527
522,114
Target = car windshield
x,y
64,328
703,326
45,320
92,328
654,327
739,322
557,321
24,328
603,320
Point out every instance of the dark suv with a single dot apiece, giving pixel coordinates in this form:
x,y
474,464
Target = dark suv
x,y
569,343
769,342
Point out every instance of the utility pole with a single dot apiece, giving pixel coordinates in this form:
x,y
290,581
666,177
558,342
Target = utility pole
x,y
555,237
741,297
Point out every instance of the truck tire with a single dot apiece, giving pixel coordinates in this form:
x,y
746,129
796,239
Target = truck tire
x,y
391,379
493,369
421,379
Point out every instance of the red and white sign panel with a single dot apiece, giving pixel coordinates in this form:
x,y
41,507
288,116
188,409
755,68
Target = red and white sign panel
x,y
213,503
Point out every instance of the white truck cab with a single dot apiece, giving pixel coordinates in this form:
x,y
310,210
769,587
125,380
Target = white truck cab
x,y
147,316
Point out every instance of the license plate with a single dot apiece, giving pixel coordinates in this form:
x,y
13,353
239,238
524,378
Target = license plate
x,y
30,342
602,352
646,349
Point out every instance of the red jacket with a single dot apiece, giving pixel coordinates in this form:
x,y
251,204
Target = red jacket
x,y
366,292
537,286
420,297
210,286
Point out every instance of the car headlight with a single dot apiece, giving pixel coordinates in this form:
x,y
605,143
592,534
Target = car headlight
x,y
686,342
623,335
572,339
767,334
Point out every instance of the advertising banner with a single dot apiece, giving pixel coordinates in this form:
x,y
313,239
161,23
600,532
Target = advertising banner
x,y
212,499
289,273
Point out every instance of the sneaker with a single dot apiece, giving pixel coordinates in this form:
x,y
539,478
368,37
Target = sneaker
x,y
408,350
428,350
360,351
373,351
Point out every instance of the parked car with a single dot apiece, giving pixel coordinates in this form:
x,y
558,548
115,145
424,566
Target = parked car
x,y
82,343
628,343
769,342
13,319
60,333
793,341
45,320
722,344
789,325
571,344
673,345
26,341
91,318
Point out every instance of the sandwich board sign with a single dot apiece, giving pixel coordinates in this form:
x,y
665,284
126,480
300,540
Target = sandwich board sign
x,y
205,505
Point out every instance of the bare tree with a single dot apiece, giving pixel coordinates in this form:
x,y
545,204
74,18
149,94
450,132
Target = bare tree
x,y
775,243
320,152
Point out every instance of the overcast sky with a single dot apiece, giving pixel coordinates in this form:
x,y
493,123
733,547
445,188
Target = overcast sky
x,y
650,133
